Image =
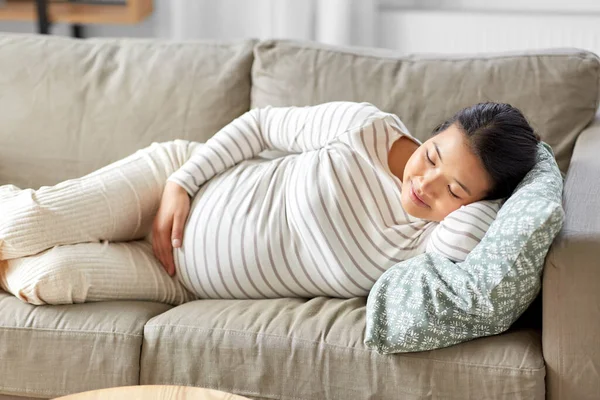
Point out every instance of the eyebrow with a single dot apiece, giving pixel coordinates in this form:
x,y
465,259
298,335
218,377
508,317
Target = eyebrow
x,y
437,149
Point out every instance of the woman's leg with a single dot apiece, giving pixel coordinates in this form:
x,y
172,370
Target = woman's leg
x,y
116,203
87,272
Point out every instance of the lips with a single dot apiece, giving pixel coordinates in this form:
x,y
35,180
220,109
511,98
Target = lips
x,y
415,198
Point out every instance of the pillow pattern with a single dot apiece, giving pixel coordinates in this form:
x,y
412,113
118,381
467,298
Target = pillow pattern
x,y
429,301
458,234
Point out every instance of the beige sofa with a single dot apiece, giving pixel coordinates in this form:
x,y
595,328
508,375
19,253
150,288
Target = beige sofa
x,y
68,107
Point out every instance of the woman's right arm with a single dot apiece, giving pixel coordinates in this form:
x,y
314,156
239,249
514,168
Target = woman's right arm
x,y
289,129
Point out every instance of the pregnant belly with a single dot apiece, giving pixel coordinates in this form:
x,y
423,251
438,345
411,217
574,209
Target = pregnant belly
x,y
222,252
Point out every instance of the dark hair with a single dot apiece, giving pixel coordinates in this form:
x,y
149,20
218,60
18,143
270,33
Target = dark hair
x,y
500,136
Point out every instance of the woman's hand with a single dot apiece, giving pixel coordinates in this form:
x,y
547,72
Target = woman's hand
x,y
167,229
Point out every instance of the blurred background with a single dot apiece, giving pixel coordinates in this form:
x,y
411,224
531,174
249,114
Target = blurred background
x,y
409,26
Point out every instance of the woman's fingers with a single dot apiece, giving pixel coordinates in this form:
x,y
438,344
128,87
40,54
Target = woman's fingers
x,y
166,248
176,237
161,243
157,246
167,255
177,233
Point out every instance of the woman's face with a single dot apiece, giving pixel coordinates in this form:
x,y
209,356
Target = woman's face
x,y
445,174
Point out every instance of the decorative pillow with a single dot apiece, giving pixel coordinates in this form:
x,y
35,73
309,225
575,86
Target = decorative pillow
x,y
429,302
458,234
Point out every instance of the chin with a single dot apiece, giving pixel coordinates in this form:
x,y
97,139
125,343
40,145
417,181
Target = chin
x,y
410,208
415,211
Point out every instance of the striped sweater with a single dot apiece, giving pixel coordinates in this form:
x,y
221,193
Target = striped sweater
x,y
323,220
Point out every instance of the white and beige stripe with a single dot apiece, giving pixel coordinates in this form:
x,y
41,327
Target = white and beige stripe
x,y
323,220
458,234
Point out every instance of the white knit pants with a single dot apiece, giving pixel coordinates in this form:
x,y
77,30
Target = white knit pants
x,y
89,239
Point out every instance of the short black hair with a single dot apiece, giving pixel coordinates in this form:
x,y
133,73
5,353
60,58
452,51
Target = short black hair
x,y
502,138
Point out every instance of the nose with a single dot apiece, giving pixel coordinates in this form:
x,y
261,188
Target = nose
x,y
429,185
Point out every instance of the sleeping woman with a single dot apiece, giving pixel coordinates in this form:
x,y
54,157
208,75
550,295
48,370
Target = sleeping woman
x,y
350,193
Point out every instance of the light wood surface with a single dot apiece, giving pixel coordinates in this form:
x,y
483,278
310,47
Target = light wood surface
x,y
153,392
132,12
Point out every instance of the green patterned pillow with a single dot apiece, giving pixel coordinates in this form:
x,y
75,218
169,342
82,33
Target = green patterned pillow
x,y
428,301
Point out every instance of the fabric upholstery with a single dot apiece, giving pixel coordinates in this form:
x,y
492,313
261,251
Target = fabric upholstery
x,y
50,351
313,349
9,397
571,312
558,91
69,107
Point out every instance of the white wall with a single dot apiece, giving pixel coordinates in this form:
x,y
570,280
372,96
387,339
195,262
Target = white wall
x,y
472,26
558,6
409,26
418,31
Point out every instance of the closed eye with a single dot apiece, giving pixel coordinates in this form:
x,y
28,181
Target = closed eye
x,y
449,190
429,159
452,194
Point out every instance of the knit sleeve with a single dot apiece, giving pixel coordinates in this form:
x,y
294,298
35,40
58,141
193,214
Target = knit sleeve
x,y
290,129
458,234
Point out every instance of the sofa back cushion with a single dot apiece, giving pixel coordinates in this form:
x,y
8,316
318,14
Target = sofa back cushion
x,y
68,107
557,90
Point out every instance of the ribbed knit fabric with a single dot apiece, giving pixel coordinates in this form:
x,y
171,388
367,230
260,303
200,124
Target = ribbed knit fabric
x,y
87,272
116,203
462,230
58,242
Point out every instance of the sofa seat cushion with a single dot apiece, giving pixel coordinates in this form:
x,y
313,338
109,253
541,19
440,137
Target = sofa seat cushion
x,y
313,349
50,351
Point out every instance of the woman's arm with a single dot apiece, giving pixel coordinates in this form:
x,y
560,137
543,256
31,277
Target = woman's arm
x,y
290,129
458,234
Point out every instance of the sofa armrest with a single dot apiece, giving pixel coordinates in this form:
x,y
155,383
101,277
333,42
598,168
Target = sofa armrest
x,y
571,281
